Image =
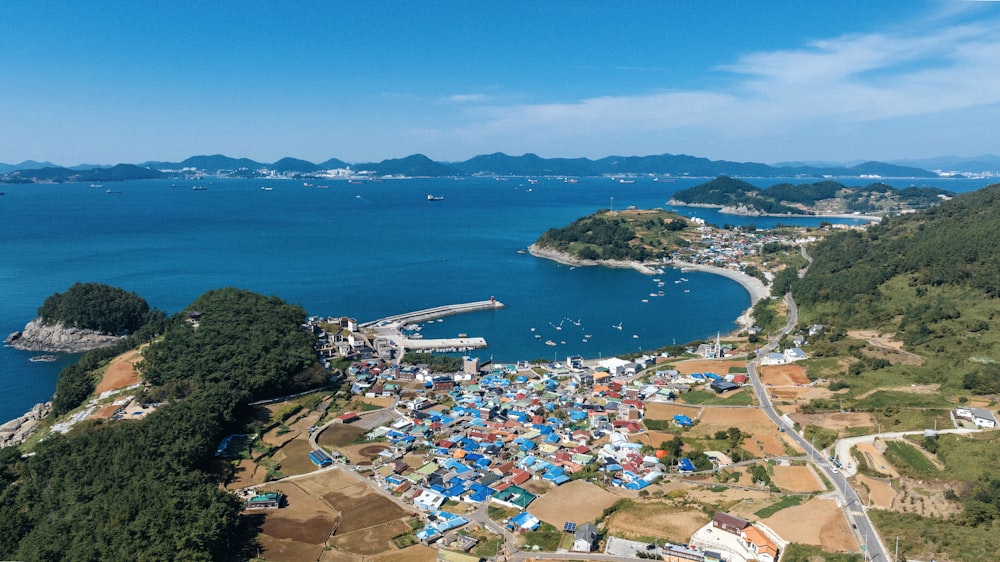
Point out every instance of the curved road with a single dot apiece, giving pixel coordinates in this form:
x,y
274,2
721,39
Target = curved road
x,y
866,534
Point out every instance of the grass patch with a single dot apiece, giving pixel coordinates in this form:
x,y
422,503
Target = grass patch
x,y
882,399
796,552
902,454
501,514
706,398
926,538
783,503
546,538
956,450
488,548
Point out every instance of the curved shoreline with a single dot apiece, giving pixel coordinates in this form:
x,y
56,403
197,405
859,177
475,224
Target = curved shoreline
x,y
753,286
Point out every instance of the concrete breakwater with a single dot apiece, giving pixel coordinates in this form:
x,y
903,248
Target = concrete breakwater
x,y
390,327
436,312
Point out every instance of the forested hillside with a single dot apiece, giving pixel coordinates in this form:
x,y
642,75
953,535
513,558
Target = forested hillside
x,y
932,279
98,307
148,490
808,198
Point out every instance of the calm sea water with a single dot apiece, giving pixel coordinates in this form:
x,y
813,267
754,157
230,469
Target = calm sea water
x,y
365,251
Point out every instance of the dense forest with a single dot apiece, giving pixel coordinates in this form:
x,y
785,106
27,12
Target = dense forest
x,y
98,307
954,244
778,199
148,490
617,236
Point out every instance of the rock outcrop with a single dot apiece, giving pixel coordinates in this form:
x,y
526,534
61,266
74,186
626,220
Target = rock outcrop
x,y
15,431
58,338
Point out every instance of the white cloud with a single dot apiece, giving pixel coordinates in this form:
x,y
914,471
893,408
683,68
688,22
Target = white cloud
x,y
467,98
858,80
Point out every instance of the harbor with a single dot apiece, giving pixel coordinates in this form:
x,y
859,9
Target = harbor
x,y
392,328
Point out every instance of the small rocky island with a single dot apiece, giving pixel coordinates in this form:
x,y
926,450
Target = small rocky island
x,y
88,316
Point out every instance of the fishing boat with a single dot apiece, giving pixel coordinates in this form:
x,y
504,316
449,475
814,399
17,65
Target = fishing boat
x,y
265,188
435,197
199,188
43,359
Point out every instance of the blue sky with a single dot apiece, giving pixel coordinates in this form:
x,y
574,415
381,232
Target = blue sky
x,y
108,82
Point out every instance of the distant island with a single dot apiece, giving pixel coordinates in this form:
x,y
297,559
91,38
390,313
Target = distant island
x,y
826,197
419,165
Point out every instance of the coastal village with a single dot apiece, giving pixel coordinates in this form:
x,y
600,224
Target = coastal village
x,y
651,456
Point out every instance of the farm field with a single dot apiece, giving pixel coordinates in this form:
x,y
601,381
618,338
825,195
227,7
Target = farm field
x,y
878,493
783,375
667,410
910,456
837,421
121,372
656,519
817,522
749,420
796,479
578,501
340,435
719,367
314,510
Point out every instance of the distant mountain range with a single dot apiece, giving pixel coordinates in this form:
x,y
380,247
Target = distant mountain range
x,y
492,164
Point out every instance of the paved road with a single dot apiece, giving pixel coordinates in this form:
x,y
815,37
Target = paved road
x,y
862,526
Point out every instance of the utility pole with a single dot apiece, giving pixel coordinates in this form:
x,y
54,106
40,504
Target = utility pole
x,y
895,557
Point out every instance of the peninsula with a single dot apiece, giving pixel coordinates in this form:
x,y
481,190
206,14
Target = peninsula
x,y
823,198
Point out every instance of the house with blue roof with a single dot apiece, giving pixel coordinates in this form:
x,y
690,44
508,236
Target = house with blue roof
x,y
524,521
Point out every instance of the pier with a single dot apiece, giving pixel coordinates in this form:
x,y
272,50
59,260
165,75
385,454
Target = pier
x,y
436,312
390,327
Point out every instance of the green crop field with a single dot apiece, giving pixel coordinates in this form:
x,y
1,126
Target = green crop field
x,y
908,454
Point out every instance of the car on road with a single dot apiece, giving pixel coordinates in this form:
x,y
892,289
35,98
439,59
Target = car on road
x,y
835,470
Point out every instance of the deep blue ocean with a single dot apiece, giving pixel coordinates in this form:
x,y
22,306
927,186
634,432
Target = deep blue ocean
x,y
366,251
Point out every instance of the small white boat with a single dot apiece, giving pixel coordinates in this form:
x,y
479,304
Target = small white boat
x,y
435,197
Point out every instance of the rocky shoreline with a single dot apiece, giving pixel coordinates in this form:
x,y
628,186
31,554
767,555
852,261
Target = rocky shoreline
x,y
17,430
57,338
755,287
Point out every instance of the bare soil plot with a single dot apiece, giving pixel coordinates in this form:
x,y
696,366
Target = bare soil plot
x,y
369,510
340,435
667,411
750,446
772,444
369,540
817,522
796,479
306,421
121,372
913,389
783,375
926,498
749,420
329,480
362,454
875,492
801,392
288,550
837,421
304,518
658,519
277,437
717,366
875,459
247,473
294,457
381,401
886,346
577,501
651,438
